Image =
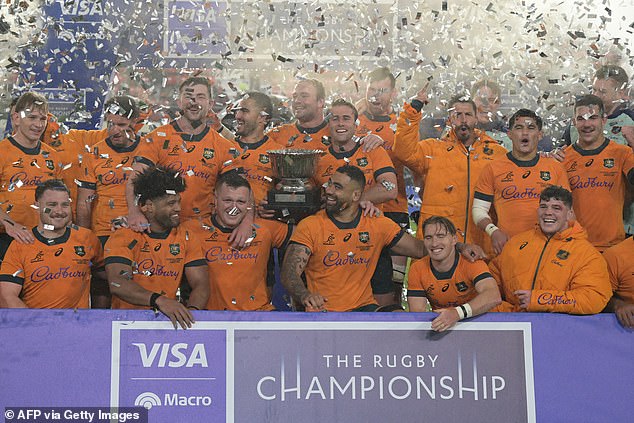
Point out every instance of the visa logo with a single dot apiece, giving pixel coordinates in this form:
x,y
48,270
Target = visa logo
x,y
81,7
177,355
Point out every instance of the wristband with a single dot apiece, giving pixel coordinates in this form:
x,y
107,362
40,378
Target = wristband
x,y
153,299
468,310
490,229
462,313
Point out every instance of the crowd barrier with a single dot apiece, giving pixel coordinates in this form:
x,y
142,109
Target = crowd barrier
x,y
316,367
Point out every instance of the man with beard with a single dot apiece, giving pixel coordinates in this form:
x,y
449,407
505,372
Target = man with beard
x,y
144,269
338,248
600,172
310,131
191,148
553,267
512,184
54,271
450,166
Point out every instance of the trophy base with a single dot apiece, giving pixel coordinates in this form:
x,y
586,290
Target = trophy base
x,y
294,206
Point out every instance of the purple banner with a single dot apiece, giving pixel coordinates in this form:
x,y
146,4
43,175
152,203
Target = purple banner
x,y
374,367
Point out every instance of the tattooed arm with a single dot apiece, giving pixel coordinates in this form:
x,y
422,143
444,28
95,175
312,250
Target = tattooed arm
x,y
293,266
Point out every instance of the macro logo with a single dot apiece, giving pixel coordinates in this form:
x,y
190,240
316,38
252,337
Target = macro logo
x,y
147,400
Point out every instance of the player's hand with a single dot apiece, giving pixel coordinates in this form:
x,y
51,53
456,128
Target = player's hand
x,y
371,142
20,233
137,222
241,236
471,252
625,314
263,212
558,154
499,238
422,95
176,312
524,298
314,302
447,317
369,209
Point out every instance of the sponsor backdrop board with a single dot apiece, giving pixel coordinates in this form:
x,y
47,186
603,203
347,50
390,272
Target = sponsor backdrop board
x,y
246,367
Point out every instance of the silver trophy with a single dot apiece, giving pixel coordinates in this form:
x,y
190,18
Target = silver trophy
x,y
294,197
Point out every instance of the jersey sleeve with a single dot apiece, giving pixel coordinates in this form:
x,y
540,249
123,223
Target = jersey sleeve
x,y
478,271
382,162
416,286
195,255
120,248
303,233
415,155
628,165
97,258
87,178
12,268
280,232
612,259
147,152
562,175
485,186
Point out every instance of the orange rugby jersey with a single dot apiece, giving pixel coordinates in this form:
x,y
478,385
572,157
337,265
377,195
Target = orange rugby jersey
x,y
199,159
106,171
446,289
54,273
254,162
450,171
373,164
157,259
344,256
295,136
514,186
238,277
385,127
598,179
21,170
620,259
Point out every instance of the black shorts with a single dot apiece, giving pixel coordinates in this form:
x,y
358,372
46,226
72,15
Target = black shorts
x,y
382,277
401,219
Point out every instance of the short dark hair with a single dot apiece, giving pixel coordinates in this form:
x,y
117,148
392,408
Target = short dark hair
x,y
462,98
558,193
232,179
262,100
346,103
442,222
52,185
195,80
157,182
354,173
319,87
122,105
527,114
613,72
379,74
30,99
590,100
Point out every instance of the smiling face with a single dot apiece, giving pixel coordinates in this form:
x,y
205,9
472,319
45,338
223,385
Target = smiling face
x,y
305,104
54,209
232,205
194,101
163,213
341,193
29,124
553,216
248,118
440,244
525,135
589,124
342,124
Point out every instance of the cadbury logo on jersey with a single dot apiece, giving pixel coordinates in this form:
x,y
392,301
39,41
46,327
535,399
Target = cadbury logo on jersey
x,y
609,163
175,249
364,237
80,251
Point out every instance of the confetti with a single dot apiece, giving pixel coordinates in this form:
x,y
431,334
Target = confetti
x,y
49,227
